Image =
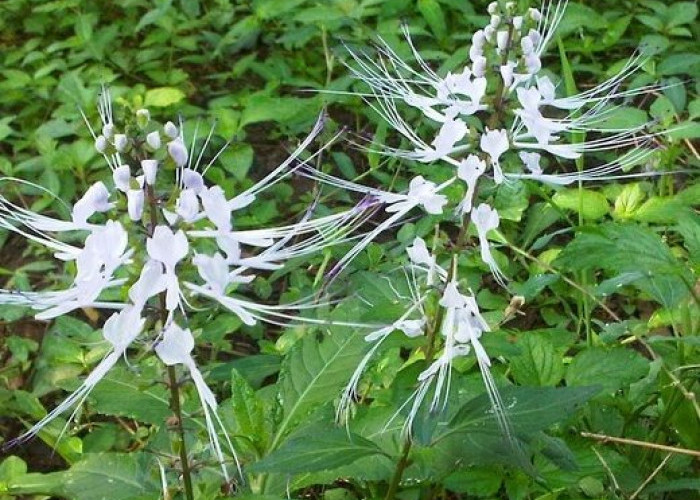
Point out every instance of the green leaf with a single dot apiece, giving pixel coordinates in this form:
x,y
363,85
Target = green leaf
x,y
530,410
591,204
324,450
628,248
101,476
263,108
122,393
628,201
610,368
433,15
248,412
315,370
539,364
163,96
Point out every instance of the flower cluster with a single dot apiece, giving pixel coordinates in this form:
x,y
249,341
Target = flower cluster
x,y
497,120
156,240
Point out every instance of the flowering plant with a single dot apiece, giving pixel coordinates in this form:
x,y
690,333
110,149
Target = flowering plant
x,y
396,365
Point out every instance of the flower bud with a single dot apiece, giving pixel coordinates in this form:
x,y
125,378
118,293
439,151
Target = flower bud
x,y
171,130
489,31
492,8
192,180
178,152
150,168
153,140
143,116
495,21
518,23
101,144
479,66
478,39
475,52
533,63
134,203
120,142
534,14
527,45
535,37
502,40
121,177
507,74
108,130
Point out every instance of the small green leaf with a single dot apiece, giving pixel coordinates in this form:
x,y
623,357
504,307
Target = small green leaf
x,y
539,364
433,15
592,204
163,96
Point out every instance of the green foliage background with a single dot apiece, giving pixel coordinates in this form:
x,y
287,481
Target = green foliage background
x,y
633,247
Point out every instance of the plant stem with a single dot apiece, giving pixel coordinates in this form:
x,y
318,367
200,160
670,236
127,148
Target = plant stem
x,y
172,374
175,407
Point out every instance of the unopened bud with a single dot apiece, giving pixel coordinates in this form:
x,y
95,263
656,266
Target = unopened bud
x,y
518,23
143,116
502,40
120,142
527,45
178,152
489,31
153,140
192,180
171,130
121,177
492,8
495,21
108,130
150,168
534,14
479,66
134,203
101,144
533,63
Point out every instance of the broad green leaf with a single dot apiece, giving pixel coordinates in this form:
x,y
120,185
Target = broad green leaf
x,y
628,248
315,370
610,368
539,364
163,96
124,394
323,450
101,476
530,409
591,204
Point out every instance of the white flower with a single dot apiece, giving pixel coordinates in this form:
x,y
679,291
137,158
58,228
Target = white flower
x,y
95,199
469,170
175,348
495,143
531,161
187,205
168,248
486,219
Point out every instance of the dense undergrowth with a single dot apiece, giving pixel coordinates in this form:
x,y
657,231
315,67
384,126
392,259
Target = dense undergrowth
x,y
594,344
